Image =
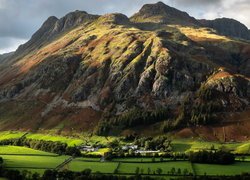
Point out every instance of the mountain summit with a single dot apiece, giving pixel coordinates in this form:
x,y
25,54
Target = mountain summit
x,y
54,26
162,13
96,73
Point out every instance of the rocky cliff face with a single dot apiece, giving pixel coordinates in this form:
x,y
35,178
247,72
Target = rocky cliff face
x,y
83,68
228,27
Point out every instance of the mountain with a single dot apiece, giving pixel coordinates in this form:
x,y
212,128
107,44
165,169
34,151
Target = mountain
x,y
53,27
162,13
114,75
228,27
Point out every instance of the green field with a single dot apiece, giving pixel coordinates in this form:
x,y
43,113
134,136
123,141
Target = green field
x,y
17,150
243,149
103,167
10,135
166,167
41,162
233,169
187,145
67,140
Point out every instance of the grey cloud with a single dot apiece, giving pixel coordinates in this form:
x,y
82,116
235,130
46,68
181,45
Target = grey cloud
x,y
9,44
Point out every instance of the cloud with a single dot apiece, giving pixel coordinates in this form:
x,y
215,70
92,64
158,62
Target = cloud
x,y
9,44
19,19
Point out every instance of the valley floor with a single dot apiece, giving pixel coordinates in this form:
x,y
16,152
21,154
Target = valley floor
x,y
23,158
38,161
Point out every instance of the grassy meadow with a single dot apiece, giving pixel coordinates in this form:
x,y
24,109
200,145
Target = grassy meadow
x,y
10,135
40,162
214,169
187,145
24,158
17,150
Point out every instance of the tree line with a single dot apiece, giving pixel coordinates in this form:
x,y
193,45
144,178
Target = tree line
x,y
195,111
47,146
86,174
132,118
212,157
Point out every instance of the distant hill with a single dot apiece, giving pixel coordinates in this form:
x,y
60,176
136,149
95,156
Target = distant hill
x,y
4,59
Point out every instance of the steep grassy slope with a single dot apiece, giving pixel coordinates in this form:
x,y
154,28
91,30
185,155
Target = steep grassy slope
x,y
118,73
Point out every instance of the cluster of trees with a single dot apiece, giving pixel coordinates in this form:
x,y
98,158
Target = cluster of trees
x,y
212,157
13,174
199,110
205,106
162,143
140,171
48,146
87,175
132,118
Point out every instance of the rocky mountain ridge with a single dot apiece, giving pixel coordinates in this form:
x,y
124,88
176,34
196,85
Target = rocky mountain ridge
x,y
53,26
228,27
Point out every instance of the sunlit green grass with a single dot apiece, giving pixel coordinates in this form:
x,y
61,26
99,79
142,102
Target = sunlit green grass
x,y
213,169
243,149
22,151
103,167
70,141
187,145
166,167
62,139
10,135
42,162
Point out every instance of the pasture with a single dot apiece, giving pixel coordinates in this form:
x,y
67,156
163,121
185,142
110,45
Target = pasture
x,y
103,167
213,169
10,135
17,150
187,145
67,140
144,167
33,162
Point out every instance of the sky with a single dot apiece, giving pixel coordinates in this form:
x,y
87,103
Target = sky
x,y
19,19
